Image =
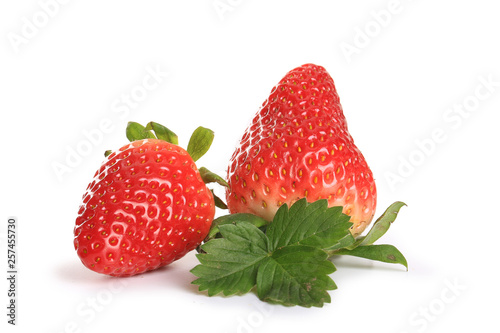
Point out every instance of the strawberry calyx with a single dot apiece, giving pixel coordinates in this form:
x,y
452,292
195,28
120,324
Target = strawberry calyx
x,y
198,145
162,132
287,260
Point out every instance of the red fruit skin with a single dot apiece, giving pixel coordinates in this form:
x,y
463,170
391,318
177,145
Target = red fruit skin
x,y
146,207
298,145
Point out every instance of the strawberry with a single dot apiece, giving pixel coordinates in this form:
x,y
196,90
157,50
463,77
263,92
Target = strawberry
x,y
298,146
147,205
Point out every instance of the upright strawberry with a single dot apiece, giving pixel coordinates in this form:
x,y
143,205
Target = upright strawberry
x,y
298,146
147,205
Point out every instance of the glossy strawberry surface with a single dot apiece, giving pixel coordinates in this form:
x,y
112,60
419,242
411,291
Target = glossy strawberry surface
x,y
298,145
146,207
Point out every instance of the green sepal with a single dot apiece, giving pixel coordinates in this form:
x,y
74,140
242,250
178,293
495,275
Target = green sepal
x,y
162,132
210,177
107,153
363,247
136,131
382,252
380,226
200,142
218,201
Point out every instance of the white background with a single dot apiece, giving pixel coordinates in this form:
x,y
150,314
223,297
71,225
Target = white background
x,y
65,68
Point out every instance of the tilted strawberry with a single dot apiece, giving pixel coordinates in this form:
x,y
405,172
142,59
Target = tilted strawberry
x,y
148,205
297,146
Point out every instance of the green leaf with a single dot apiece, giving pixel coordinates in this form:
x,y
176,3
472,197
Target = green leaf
x,y
107,153
200,142
383,252
210,177
382,224
288,263
136,131
233,219
162,132
230,263
312,224
296,275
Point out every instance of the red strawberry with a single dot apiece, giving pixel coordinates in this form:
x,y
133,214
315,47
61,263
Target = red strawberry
x,y
298,145
146,207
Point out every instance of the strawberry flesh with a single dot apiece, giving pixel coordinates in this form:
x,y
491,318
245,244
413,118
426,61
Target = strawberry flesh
x,y
146,207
